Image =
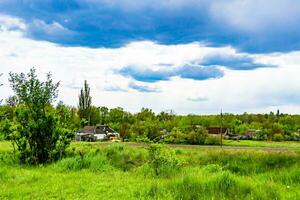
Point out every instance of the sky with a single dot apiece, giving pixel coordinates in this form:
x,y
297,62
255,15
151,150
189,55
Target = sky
x,y
191,56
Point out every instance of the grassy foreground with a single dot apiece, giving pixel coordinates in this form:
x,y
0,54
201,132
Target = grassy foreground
x,y
92,171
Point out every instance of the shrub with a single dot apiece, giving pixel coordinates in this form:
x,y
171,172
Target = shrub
x,y
176,137
295,136
197,135
261,135
5,129
278,137
142,139
38,135
163,160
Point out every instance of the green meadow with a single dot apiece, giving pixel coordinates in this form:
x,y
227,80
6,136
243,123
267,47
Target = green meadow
x,y
118,171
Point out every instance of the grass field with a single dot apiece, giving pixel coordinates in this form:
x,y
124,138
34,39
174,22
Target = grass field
x,y
271,144
93,171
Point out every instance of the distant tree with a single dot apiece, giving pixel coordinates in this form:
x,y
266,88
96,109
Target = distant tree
x,y
85,102
37,134
278,113
197,135
104,114
68,116
94,115
145,114
124,128
12,101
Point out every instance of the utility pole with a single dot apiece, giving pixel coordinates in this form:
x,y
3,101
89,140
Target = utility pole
x,y
221,129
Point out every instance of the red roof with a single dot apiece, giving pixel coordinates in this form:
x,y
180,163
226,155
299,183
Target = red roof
x,y
217,130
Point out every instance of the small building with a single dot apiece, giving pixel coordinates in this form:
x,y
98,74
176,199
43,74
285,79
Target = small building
x,y
218,130
98,132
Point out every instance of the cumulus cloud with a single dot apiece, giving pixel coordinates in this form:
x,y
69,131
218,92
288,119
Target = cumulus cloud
x,y
233,61
249,25
206,67
186,71
39,28
143,88
258,90
8,23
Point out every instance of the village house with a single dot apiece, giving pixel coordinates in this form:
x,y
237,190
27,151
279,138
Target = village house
x,y
218,130
98,132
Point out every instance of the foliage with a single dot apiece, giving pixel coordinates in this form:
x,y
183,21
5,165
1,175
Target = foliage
x,y
85,101
261,135
176,137
5,129
37,133
197,136
163,160
164,127
278,137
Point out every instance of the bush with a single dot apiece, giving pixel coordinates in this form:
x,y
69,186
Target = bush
x,y
176,137
142,139
293,136
261,135
37,135
197,135
278,137
5,129
163,160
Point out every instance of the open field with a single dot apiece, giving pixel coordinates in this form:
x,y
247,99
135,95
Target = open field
x,y
271,144
92,171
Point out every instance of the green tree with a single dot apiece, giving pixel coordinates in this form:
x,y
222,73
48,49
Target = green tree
x,y
12,101
37,134
104,114
68,116
197,135
94,115
85,102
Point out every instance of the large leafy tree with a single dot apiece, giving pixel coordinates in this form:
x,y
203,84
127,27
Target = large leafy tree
x,y
85,102
37,135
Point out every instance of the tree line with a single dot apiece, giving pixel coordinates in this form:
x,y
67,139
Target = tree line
x,y
41,131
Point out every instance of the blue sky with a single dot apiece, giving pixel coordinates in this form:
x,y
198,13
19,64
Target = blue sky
x,y
249,25
142,50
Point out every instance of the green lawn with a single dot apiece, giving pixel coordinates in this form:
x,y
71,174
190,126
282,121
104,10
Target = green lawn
x,y
123,172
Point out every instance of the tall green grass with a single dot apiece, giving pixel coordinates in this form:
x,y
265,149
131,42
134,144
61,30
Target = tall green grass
x,y
91,171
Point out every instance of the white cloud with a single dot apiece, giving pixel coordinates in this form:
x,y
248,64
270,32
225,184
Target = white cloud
x,y
253,91
256,16
8,23
53,28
